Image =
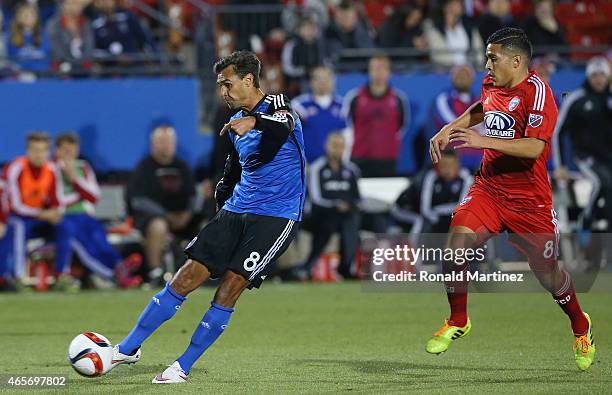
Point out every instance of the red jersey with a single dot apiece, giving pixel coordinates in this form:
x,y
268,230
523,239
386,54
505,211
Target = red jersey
x,y
377,123
527,110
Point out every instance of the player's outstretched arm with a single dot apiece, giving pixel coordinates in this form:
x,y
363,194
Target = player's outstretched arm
x,y
279,121
529,147
472,116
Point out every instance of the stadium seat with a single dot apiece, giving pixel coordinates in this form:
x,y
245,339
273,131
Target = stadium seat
x,y
586,23
111,209
41,255
379,194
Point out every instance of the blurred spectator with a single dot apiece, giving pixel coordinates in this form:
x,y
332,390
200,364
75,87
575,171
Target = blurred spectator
x,y
273,46
334,194
315,10
118,31
586,117
250,28
179,13
542,27
450,104
404,28
320,112
2,41
28,44
346,31
5,269
4,207
544,67
80,230
161,194
498,15
72,40
453,38
377,114
272,80
4,212
302,53
34,193
442,190
46,8
428,203
91,9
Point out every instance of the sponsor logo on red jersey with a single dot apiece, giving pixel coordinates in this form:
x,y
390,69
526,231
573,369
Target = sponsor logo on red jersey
x,y
500,125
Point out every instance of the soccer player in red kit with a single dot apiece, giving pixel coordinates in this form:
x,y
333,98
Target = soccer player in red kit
x,y
511,190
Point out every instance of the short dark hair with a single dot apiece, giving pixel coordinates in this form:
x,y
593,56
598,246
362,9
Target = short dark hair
x,y
36,137
512,38
244,62
66,137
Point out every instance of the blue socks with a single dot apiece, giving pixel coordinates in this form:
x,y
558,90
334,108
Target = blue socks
x,y
210,328
160,309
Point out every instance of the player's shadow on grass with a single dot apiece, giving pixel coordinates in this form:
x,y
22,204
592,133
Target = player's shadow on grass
x,y
378,367
392,373
137,374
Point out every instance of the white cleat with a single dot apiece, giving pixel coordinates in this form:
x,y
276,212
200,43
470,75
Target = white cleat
x,y
120,358
173,374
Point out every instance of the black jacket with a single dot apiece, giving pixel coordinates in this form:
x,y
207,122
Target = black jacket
x,y
157,189
585,121
327,188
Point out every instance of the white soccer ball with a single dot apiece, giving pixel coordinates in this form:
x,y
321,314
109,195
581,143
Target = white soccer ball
x,y
90,354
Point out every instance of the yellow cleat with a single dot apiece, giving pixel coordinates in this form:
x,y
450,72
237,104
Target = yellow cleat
x,y
584,348
445,336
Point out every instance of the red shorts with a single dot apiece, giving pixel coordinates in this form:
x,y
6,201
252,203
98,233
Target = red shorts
x,y
534,232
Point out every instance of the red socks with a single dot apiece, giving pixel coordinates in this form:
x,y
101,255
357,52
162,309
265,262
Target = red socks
x,y
565,296
457,293
458,306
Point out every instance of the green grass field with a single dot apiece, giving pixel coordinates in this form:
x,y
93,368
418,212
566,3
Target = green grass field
x,y
295,338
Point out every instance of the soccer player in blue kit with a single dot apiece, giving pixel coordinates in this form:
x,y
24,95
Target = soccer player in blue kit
x,y
260,200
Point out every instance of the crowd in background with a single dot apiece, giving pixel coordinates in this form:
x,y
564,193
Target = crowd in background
x,y
53,194
73,35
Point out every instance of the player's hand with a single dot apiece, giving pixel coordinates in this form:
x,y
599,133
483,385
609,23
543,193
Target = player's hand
x,y
52,216
438,143
343,207
240,126
67,167
469,137
2,229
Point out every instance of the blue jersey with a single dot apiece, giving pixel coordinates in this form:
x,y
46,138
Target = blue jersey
x,y
319,122
272,179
